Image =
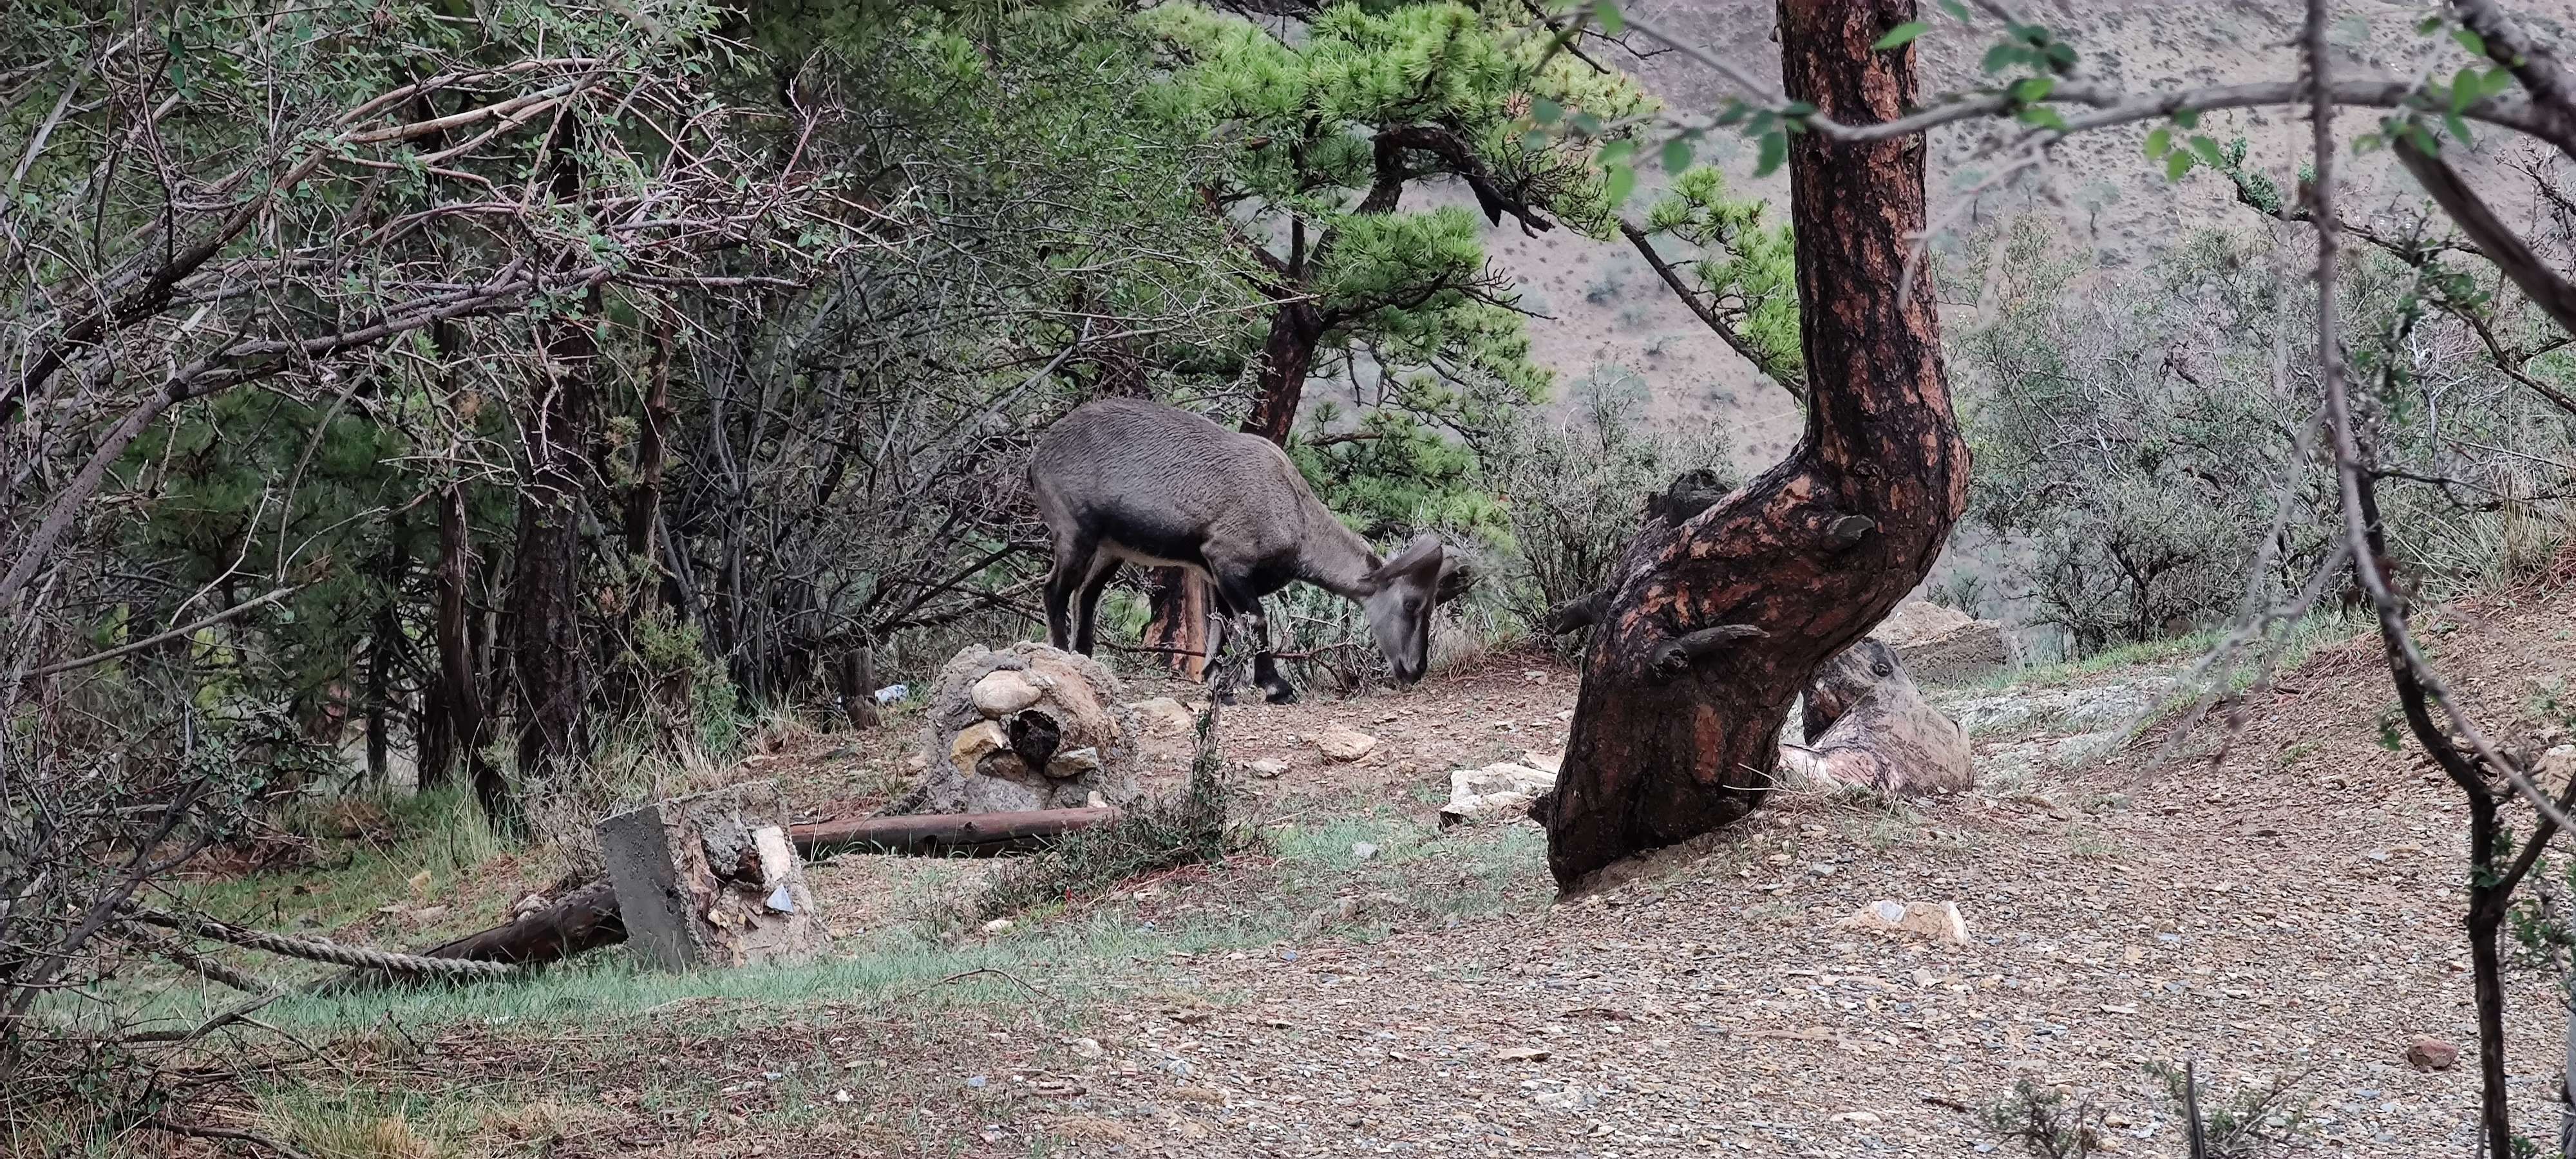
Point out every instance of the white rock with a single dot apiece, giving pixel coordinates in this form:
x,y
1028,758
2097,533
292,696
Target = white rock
x,y
1500,777
1362,851
1485,807
1087,1047
1549,763
999,926
1266,768
1074,762
1858,1118
1004,692
1345,744
1938,920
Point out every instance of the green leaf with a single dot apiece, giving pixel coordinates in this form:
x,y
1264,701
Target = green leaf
x,y
2041,116
2061,56
1957,10
1677,155
2187,118
1545,111
2498,79
2476,44
1775,150
2459,128
2177,163
2033,89
1901,35
1586,124
1534,140
2430,24
2159,143
2368,142
1607,12
2466,88
2004,56
1620,182
1617,152
2209,151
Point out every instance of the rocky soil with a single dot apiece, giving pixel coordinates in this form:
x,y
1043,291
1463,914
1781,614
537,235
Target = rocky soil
x,y
2288,910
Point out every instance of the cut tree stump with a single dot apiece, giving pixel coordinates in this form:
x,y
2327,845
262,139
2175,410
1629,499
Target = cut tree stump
x,y
589,917
713,880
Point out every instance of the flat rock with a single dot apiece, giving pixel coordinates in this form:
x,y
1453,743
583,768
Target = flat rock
x,y
1163,714
1937,920
971,744
1341,743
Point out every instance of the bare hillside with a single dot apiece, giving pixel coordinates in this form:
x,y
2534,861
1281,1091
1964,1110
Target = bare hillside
x,y
1605,308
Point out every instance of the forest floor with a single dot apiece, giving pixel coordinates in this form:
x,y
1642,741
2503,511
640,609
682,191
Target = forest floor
x,y
2282,905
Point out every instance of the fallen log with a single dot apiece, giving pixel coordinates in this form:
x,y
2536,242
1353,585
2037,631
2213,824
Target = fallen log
x,y
588,917
946,834
585,919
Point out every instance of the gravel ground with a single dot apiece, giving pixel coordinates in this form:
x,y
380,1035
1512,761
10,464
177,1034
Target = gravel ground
x,y
2288,911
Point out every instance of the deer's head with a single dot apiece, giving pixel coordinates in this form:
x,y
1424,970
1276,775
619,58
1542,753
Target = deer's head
x,y
1401,593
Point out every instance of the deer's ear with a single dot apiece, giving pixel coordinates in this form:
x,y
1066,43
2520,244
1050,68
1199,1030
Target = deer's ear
x,y
1455,578
1424,551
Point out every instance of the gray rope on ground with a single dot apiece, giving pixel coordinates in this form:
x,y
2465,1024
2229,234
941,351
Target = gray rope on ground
x,y
185,958
318,950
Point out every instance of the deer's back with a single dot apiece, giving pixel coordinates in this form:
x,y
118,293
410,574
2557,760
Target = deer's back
x,y
1159,480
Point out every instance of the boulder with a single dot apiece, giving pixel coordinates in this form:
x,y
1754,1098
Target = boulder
x,y
1022,728
2428,1053
1944,645
1868,726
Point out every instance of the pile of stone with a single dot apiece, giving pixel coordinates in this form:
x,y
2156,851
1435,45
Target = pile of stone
x,y
1025,727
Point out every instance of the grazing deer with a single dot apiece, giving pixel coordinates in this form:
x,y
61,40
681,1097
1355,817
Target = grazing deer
x,y
1127,481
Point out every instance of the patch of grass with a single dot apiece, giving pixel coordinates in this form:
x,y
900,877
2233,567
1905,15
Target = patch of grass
x,y
2048,1121
2086,841
352,1124
2255,1121
374,847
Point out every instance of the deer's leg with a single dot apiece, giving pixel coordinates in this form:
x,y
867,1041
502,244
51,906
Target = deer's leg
x,y
1074,559
1086,605
1218,615
1265,667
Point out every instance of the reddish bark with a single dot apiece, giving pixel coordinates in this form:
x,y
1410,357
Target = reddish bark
x,y
1677,726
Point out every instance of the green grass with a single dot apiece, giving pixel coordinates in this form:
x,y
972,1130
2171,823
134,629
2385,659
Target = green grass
x,y
1077,957
2302,638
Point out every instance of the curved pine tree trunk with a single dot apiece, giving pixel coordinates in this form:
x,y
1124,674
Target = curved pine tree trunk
x,y
1677,727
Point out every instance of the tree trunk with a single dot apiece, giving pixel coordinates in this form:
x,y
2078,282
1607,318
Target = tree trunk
x,y
644,499
458,719
1180,604
1678,723
1286,357
384,640
546,648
